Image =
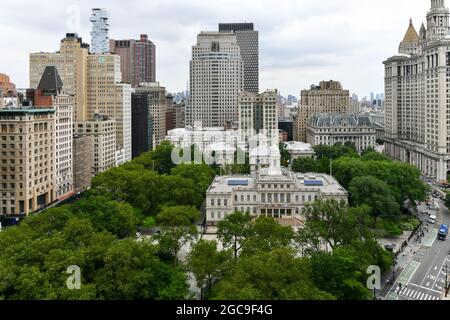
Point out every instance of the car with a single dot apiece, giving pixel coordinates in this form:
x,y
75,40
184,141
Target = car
x,y
432,219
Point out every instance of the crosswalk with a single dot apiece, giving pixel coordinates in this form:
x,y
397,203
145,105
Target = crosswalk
x,y
415,294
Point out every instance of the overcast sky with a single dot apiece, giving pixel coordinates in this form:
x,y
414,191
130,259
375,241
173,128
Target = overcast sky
x,y
301,41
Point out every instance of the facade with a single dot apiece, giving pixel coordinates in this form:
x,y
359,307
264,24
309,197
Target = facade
x,y
248,41
258,114
100,31
71,63
158,108
270,192
171,114
216,79
103,133
49,94
138,59
416,96
331,129
142,125
26,159
108,96
328,97
285,126
83,166
299,150
180,114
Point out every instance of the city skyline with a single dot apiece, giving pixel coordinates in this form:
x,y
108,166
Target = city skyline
x,y
291,56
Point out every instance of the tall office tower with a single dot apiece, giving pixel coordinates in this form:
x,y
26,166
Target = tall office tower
x,y
158,107
416,96
216,79
328,97
258,114
142,124
100,31
180,114
248,41
49,94
71,63
82,162
171,114
26,159
108,96
138,59
6,86
103,133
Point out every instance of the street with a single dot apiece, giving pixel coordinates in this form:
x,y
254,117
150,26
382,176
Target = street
x,y
423,276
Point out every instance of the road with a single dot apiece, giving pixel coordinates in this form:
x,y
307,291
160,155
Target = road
x,y
423,278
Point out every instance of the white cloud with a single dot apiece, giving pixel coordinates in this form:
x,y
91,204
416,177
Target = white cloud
x,y
301,41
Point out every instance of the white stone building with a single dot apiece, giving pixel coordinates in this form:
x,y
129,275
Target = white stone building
x,y
271,192
417,102
299,149
331,129
216,79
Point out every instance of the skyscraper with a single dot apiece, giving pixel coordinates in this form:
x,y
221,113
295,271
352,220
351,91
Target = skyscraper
x,y
108,96
142,127
248,41
71,63
100,31
416,102
138,59
258,114
216,79
157,104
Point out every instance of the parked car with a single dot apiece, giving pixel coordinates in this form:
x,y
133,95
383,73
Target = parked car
x,y
432,219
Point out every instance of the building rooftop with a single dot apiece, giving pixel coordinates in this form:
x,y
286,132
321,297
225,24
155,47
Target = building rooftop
x,y
295,146
341,120
27,110
304,182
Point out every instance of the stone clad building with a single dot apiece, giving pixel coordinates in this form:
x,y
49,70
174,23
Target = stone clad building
x,y
271,192
330,129
417,102
328,97
26,159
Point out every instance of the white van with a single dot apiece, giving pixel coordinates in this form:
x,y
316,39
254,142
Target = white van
x,y
432,219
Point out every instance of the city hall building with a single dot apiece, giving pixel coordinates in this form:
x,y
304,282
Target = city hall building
x,y
270,192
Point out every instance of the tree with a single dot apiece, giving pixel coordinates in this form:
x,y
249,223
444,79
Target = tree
x,y
266,234
132,270
274,275
447,200
304,165
178,228
343,272
233,229
118,218
201,174
376,194
285,155
207,263
330,220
